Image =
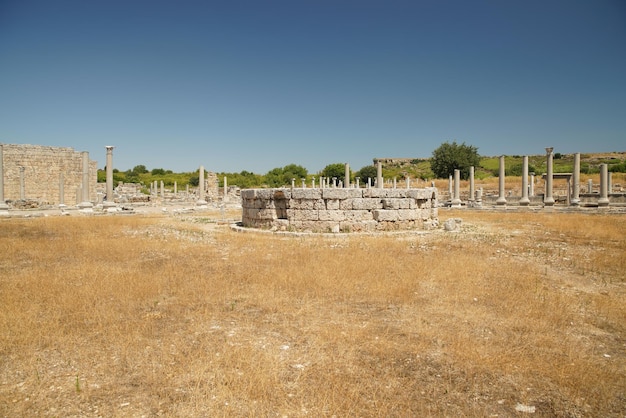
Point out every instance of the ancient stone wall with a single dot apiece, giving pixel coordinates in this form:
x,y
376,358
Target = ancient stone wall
x,y
42,169
336,210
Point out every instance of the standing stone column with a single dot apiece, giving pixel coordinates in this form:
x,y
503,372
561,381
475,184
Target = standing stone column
x,y
501,173
604,190
532,184
450,187
109,177
524,201
610,183
225,189
201,201
22,187
590,186
548,200
85,205
471,186
576,174
346,182
456,200
61,191
379,175
4,208
175,189
162,191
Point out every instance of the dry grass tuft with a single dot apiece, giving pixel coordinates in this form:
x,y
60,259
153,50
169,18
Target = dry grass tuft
x,y
160,316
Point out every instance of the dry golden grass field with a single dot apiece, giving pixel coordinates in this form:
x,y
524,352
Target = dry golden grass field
x,y
519,314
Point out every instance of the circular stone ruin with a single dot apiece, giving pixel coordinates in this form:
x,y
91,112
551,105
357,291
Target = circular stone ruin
x,y
339,210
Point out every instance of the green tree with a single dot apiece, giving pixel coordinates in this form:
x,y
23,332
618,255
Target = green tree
x,y
450,156
140,169
157,172
279,177
335,170
369,171
244,179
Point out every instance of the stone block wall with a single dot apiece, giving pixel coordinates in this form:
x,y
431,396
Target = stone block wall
x,y
42,171
339,210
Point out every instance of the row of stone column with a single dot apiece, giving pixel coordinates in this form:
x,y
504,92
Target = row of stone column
x,y
548,200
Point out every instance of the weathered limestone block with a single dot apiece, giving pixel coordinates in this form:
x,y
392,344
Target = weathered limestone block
x,y
332,215
358,226
408,214
332,204
366,204
382,215
397,203
267,214
359,215
385,193
419,204
302,215
346,204
428,193
248,194
306,194
280,194
306,204
341,193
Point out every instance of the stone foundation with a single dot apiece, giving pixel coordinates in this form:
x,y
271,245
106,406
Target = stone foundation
x,y
339,210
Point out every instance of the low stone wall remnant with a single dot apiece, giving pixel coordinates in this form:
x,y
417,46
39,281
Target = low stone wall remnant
x,y
339,210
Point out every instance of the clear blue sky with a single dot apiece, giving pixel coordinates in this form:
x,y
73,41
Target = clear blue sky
x,y
253,85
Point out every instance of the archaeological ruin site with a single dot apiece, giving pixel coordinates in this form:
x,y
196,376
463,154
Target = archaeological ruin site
x,y
54,178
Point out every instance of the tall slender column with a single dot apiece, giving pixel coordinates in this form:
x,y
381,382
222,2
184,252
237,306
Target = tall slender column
x,y
85,205
225,189
379,175
61,191
532,184
604,190
576,174
501,173
548,200
524,201
346,182
201,200
22,187
456,201
109,177
471,185
4,208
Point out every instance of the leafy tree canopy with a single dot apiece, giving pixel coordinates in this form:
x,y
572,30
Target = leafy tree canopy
x,y
140,169
450,156
335,170
369,171
279,177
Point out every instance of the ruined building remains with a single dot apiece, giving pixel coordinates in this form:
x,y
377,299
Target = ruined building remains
x,y
339,210
46,175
